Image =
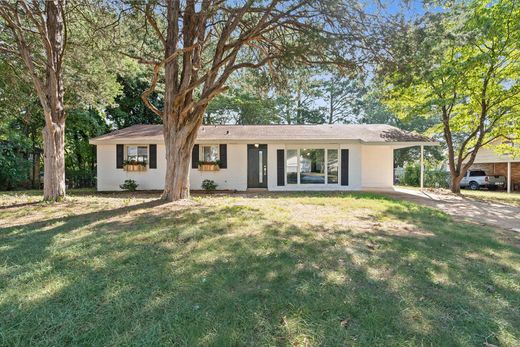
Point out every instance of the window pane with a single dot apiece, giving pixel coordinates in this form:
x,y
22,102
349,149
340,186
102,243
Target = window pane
x,y
312,166
210,153
477,173
137,153
332,166
292,166
131,153
142,154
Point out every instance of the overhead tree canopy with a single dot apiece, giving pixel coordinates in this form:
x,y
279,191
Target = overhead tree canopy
x,y
35,40
199,44
462,68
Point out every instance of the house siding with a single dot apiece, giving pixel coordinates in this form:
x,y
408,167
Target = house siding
x,y
488,155
377,165
234,177
109,177
370,166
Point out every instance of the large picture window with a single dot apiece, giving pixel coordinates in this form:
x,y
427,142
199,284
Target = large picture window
x,y
312,166
137,153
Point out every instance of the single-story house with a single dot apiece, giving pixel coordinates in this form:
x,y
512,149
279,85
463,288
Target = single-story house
x,y
272,157
493,163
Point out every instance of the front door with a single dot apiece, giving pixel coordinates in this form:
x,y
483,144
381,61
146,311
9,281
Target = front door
x,y
257,166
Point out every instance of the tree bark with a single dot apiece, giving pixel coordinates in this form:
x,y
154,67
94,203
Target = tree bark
x,y
48,80
54,163
179,145
54,130
202,44
455,184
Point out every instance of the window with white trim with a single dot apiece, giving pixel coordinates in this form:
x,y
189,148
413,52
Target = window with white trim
x,y
209,153
137,153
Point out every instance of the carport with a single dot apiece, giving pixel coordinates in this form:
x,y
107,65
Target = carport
x,y
495,164
509,168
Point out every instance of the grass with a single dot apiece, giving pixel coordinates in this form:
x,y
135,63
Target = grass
x,y
494,196
289,270
500,196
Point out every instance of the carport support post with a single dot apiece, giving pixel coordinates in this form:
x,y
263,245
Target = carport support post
x,y
422,167
509,177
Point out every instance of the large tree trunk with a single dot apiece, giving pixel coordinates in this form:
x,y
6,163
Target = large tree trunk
x,y
54,163
455,184
54,130
179,145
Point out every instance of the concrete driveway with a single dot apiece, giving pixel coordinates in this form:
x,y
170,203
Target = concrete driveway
x,y
470,209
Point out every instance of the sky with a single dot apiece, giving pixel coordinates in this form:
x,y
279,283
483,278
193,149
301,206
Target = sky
x,y
410,8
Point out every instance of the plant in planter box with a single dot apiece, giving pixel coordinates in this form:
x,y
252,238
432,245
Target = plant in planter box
x,y
209,185
134,165
209,165
129,185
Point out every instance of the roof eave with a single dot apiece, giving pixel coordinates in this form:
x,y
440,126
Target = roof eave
x,y
228,140
404,144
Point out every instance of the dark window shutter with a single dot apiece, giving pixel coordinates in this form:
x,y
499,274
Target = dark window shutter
x,y
195,157
153,156
280,167
120,154
344,167
223,156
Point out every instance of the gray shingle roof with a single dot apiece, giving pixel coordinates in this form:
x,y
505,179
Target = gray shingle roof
x,y
371,133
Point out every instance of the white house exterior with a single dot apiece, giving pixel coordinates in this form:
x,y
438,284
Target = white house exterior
x,y
272,157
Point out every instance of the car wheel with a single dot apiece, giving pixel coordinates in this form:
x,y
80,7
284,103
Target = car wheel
x,y
493,188
473,185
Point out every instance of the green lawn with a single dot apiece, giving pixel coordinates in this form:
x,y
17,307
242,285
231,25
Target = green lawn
x,y
500,196
290,270
494,196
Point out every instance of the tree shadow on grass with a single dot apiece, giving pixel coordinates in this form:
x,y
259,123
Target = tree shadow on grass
x,y
232,275
23,204
30,241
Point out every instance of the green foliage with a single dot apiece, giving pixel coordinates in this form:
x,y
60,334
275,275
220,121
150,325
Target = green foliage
x,y
436,179
240,106
91,59
216,162
344,98
209,185
80,178
130,109
301,269
83,125
433,178
411,175
461,69
129,185
14,168
134,162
